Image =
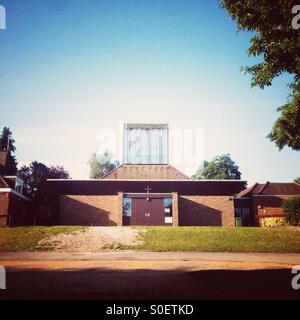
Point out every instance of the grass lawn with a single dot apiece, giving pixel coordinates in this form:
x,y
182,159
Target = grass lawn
x,y
27,238
224,239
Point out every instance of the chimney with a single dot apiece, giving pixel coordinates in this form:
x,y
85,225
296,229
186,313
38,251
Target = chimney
x,y
3,161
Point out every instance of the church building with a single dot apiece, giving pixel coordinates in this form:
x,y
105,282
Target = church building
x,y
145,189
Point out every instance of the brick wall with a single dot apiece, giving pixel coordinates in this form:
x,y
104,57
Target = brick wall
x,y
19,211
90,210
267,206
3,209
270,211
3,157
206,211
106,210
15,211
175,209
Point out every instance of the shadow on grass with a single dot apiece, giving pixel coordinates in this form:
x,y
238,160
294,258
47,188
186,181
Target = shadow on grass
x,y
142,284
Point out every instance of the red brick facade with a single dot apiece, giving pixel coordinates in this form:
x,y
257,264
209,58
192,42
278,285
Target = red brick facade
x,y
100,202
14,210
206,211
267,206
106,210
90,210
3,208
3,158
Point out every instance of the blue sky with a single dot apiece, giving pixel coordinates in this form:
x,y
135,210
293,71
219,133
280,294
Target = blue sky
x,y
70,68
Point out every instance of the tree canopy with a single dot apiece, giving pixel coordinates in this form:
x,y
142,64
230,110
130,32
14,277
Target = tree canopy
x,y
278,44
221,167
37,172
102,164
291,208
7,143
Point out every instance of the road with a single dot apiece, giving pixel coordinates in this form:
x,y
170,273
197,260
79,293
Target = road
x,y
148,275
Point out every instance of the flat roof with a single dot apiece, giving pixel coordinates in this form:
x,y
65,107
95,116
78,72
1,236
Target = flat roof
x,y
113,186
162,180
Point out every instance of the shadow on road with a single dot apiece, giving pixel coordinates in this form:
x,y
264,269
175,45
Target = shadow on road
x,y
143,284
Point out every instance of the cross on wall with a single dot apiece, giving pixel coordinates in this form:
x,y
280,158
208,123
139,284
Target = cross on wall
x,y
148,189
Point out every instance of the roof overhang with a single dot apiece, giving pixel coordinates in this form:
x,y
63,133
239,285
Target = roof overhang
x,y
9,190
113,186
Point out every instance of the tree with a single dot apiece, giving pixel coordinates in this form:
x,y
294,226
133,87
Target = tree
x,y
221,167
278,44
102,164
291,208
297,180
58,172
7,143
37,172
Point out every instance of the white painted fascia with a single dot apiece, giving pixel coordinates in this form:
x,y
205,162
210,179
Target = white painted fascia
x,y
9,190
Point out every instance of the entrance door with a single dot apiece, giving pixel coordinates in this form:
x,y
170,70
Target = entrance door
x,y
147,212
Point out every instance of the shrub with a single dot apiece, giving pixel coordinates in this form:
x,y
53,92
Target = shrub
x,y
272,222
291,208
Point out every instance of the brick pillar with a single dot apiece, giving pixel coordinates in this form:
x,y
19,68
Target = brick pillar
x,y
175,208
120,209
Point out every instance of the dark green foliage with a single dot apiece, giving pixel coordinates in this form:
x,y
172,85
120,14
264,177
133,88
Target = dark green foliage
x,y
102,164
45,199
221,167
278,44
7,143
36,173
291,208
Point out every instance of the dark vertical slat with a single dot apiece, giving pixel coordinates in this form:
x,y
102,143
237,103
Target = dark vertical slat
x,y
141,206
157,212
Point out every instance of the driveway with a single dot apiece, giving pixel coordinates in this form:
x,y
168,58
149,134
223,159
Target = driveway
x,y
148,275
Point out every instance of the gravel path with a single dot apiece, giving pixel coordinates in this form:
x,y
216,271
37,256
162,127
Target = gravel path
x,y
93,239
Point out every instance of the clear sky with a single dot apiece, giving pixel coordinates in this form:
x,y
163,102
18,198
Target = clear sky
x,y
71,68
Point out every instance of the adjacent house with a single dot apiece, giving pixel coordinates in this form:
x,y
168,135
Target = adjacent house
x,y
145,189
15,206
263,201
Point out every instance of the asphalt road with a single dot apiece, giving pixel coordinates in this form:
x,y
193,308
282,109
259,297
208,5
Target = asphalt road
x,y
148,275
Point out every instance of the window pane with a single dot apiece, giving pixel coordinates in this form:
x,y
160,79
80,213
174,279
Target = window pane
x,y
127,206
146,145
168,207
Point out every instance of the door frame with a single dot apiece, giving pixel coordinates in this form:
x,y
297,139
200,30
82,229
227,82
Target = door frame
x,y
127,221
148,195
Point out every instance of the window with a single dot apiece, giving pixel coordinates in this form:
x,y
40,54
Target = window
x,y
19,185
145,144
127,207
168,207
241,212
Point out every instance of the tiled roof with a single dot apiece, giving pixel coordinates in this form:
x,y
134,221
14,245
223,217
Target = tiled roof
x,y
146,171
271,188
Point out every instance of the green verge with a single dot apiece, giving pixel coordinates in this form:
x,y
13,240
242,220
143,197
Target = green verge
x,y
222,239
213,239
27,238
